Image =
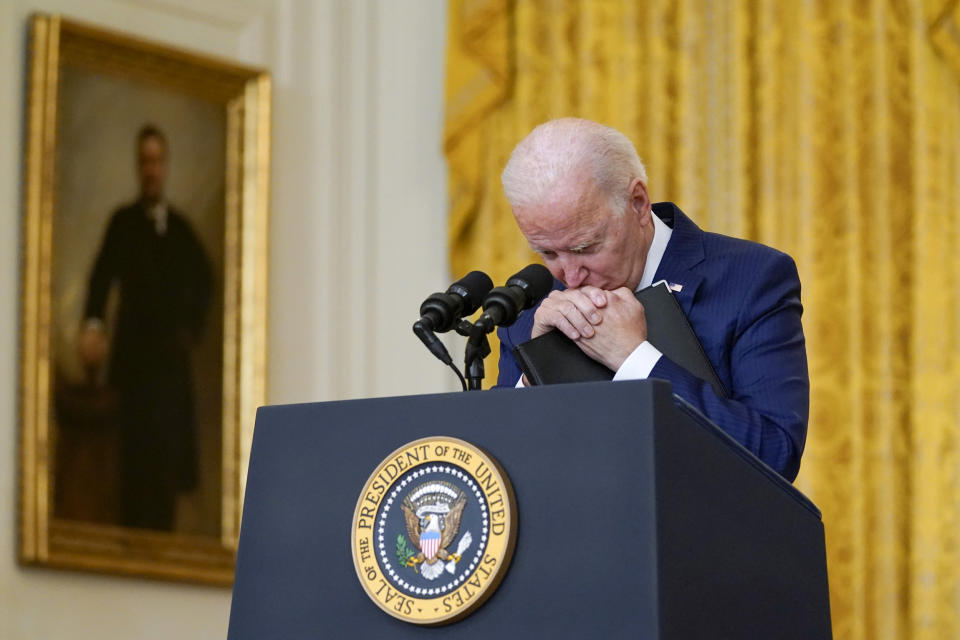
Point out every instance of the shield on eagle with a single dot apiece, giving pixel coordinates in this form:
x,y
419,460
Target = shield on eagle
x,y
430,539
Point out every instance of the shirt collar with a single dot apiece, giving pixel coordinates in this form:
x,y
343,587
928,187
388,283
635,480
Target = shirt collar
x,y
658,246
158,214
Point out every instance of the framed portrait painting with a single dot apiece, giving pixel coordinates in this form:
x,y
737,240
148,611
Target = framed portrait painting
x,y
143,301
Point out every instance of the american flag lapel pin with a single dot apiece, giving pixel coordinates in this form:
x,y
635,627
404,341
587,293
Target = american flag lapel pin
x,y
675,287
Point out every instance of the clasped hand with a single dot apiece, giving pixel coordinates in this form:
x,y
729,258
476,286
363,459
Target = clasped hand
x,y
606,325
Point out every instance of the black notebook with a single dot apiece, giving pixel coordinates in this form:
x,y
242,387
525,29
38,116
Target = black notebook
x,y
553,357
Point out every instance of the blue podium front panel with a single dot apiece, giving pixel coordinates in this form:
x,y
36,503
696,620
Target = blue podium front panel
x,y
599,471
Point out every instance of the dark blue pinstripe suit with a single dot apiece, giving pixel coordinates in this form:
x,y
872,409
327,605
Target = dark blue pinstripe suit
x,y
743,301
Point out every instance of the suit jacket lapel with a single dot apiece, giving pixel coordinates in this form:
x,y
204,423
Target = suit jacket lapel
x,y
684,251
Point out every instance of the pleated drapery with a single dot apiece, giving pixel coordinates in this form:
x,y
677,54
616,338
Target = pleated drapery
x,y
829,129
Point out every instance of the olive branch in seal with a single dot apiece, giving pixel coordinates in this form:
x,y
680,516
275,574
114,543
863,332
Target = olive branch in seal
x,y
404,552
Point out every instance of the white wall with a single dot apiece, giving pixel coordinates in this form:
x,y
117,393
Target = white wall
x,y
357,240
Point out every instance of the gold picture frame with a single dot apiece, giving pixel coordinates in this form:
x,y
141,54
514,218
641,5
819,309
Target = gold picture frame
x,y
107,69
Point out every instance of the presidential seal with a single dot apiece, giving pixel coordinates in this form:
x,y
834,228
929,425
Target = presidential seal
x,y
433,531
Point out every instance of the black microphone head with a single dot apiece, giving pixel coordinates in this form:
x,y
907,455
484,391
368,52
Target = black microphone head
x,y
535,280
523,290
441,311
472,288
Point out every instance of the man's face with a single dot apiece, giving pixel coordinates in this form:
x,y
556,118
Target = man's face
x,y
584,241
152,167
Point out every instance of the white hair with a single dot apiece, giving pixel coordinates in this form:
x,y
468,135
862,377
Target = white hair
x,y
565,149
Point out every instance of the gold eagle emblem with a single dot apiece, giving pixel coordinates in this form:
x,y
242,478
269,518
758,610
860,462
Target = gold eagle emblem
x,y
433,513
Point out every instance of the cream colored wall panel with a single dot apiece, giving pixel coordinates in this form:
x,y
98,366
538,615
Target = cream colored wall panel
x,y
357,241
410,235
358,157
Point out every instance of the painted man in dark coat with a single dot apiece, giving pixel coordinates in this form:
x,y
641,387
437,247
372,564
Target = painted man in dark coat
x,y
164,280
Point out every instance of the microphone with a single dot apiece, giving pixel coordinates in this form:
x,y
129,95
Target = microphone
x,y
441,311
523,290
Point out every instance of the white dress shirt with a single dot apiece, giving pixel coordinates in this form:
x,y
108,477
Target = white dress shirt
x,y
158,214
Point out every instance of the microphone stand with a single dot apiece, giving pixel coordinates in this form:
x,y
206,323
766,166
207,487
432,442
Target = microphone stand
x,y
478,348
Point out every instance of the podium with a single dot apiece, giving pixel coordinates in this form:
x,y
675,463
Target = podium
x,y
637,518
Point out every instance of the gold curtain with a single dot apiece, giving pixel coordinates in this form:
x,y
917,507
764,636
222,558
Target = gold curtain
x,y
829,129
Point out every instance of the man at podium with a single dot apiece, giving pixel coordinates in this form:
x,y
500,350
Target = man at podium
x,y
578,192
